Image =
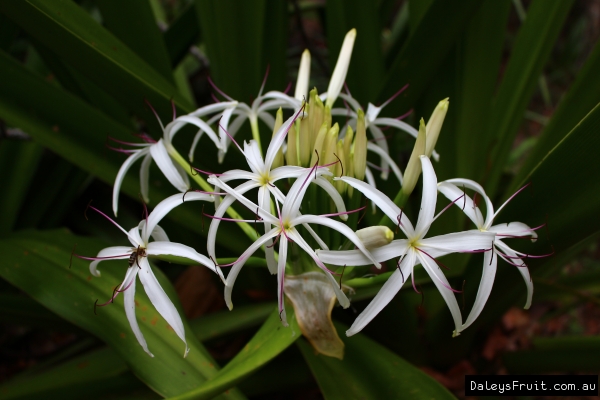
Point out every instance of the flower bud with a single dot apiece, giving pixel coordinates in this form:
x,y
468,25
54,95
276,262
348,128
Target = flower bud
x,y
303,76
348,138
413,169
360,147
330,146
304,142
375,236
317,153
341,68
291,155
434,125
316,110
278,160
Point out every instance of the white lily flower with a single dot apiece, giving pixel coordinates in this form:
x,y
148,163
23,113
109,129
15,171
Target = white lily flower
x,y
453,189
138,255
412,251
285,225
261,176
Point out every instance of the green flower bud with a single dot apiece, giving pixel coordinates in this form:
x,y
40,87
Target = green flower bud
x,y
316,111
304,142
291,155
317,153
434,125
330,146
413,169
348,142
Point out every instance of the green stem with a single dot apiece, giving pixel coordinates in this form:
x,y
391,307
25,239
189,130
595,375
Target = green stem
x,y
255,131
248,230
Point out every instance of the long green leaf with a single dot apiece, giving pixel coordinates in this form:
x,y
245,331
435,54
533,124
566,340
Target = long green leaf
x,y
369,371
183,33
67,30
533,45
38,263
271,339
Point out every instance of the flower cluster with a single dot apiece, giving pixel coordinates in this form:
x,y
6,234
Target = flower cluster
x,y
303,196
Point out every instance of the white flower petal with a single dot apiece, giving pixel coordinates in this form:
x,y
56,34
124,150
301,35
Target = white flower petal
x,y
159,234
386,162
287,172
428,198
181,250
523,270
283,244
121,175
334,195
254,157
161,301
490,261
442,284
387,292
264,201
295,236
237,266
277,141
115,252
458,242
464,202
164,162
470,184
383,202
356,257
129,300
145,177
168,204
238,194
340,227
513,229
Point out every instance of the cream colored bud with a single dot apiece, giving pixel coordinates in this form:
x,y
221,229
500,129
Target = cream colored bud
x,y
291,155
375,236
340,167
303,76
338,77
413,169
278,160
304,142
348,138
327,117
317,153
316,110
350,172
434,125
360,147
330,146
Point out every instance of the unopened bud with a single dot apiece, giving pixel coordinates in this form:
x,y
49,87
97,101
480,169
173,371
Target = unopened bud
x,y
330,146
413,169
360,147
316,110
304,142
278,160
434,125
303,76
291,155
375,236
338,77
318,148
348,138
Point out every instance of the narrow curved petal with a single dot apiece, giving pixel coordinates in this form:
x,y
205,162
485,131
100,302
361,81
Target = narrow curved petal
x,y
428,198
235,174
458,242
121,174
470,184
312,233
134,236
277,141
283,245
145,177
464,202
443,286
223,126
342,298
383,202
168,204
164,162
213,108
289,171
386,161
181,121
264,201
333,195
161,301
159,234
237,193
181,250
370,178
387,292
356,257
129,300
514,229
254,157
118,252
235,268
524,271
340,227
490,261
